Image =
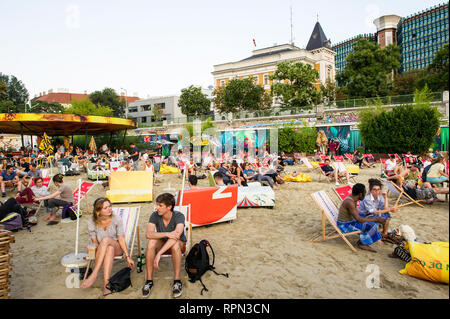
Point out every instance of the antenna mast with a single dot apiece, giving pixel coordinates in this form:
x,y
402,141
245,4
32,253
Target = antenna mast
x,y
292,37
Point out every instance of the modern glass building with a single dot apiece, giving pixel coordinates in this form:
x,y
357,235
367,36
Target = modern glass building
x,y
343,48
422,34
418,36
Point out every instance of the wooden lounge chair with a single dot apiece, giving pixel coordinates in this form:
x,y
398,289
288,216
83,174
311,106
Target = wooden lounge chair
x,y
130,219
400,193
330,212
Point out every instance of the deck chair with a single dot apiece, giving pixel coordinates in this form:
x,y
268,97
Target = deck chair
x,y
85,188
369,158
186,211
343,192
397,158
339,159
323,158
341,167
46,183
130,219
400,193
308,165
330,212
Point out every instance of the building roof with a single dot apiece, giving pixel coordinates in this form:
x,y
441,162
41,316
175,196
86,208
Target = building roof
x,y
318,38
271,51
67,98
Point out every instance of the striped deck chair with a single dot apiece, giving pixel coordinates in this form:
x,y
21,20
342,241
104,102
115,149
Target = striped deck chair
x,y
308,165
329,212
130,219
400,193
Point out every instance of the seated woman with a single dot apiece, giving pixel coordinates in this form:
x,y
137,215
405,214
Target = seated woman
x,y
60,198
360,160
107,236
271,172
436,174
236,170
376,204
349,220
391,166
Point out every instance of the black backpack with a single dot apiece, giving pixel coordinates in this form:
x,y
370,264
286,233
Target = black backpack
x,y
120,280
197,263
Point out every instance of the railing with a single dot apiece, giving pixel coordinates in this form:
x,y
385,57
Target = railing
x,y
278,111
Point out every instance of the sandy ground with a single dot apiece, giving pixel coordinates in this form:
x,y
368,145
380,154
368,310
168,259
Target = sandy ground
x,y
267,253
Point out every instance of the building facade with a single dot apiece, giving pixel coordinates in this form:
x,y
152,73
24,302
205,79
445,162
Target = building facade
x,y
421,35
263,62
418,36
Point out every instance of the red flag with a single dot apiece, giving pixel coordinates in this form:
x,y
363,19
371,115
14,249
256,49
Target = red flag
x,y
254,42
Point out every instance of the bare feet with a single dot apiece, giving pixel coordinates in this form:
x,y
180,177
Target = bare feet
x,y
106,291
89,281
365,247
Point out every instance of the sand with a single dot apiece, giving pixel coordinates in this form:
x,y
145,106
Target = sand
x,y
267,253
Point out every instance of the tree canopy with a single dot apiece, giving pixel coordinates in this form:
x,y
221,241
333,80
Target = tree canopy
x,y
294,85
108,97
241,95
13,94
86,107
194,102
46,107
369,70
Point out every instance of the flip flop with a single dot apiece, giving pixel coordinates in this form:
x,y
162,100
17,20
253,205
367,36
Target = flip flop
x,y
53,222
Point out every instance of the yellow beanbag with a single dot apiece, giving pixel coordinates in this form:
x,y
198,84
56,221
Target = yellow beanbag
x,y
428,261
314,164
303,178
168,169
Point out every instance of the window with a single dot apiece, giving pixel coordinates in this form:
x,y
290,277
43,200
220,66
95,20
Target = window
x,y
146,107
132,109
266,79
222,82
161,105
144,119
255,80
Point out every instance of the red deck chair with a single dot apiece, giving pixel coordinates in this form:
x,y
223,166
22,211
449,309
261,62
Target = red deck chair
x,y
343,192
369,158
349,157
339,158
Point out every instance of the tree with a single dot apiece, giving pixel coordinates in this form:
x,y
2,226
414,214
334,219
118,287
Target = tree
x,y
3,91
369,70
7,107
436,74
86,107
241,95
17,93
108,97
157,112
46,107
194,102
329,91
294,85
405,83
405,128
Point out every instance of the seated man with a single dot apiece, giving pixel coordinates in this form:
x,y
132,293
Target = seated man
x,y
218,178
227,176
193,180
349,220
165,232
251,175
34,172
330,171
410,174
9,178
283,160
376,204
65,161
22,168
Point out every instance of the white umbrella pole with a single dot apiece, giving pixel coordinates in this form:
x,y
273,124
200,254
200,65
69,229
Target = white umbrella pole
x,y
78,216
182,185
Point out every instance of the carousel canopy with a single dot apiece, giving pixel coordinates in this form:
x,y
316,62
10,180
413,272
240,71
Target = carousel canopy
x,y
61,124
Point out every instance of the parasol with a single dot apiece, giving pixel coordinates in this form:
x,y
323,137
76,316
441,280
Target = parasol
x,y
92,145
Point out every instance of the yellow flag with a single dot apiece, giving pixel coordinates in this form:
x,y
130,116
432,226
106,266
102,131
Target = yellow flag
x,y
45,145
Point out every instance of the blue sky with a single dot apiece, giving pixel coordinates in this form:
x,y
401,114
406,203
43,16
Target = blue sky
x,y
157,48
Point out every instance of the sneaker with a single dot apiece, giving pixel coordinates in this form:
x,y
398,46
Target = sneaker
x,y
147,288
177,289
337,183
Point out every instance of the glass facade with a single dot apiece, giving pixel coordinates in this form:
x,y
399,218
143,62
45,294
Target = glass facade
x,y
421,35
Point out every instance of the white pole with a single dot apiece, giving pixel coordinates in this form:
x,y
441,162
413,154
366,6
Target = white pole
x,y
78,216
182,185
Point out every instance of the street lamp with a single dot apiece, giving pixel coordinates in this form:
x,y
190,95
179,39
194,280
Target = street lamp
x,y
126,103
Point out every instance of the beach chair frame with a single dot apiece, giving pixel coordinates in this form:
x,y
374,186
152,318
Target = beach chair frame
x,y
400,193
325,204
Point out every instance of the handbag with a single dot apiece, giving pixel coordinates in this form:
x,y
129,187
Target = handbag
x,y
120,280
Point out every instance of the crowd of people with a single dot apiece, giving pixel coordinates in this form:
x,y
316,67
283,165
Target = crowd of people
x,y
369,212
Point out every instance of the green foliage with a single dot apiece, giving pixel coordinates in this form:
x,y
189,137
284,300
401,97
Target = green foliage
x,y
329,91
86,107
194,102
405,83
15,91
292,139
241,95
299,91
369,69
45,107
405,128
436,76
108,97
208,124
157,112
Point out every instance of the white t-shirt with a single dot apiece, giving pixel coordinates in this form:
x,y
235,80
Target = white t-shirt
x,y
121,169
435,170
390,165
